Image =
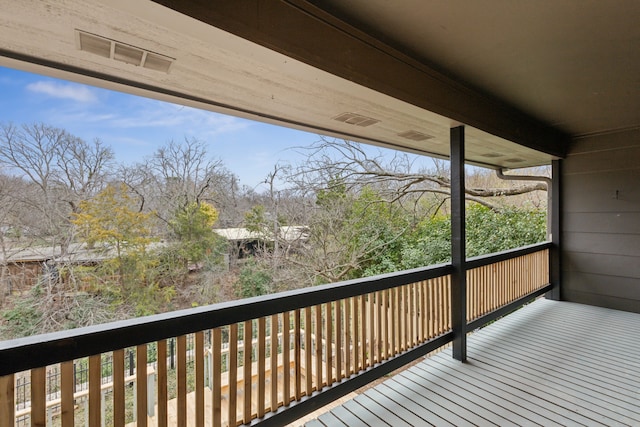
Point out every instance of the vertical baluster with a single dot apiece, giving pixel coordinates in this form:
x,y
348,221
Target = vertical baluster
x,y
348,324
66,394
38,397
473,292
363,331
308,369
95,400
199,377
273,357
162,374
181,380
395,313
413,314
329,343
425,308
297,354
430,309
386,307
408,314
386,325
233,374
216,377
262,367
141,385
405,316
417,313
402,290
286,358
118,388
442,321
339,341
486,288
7,400
379,334
318,346
356,333
371,329
447,289
248,347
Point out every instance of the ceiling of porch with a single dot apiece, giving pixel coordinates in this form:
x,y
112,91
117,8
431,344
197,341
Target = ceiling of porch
x,y
530,72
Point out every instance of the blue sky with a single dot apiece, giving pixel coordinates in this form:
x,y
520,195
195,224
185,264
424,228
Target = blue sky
x,y
135,127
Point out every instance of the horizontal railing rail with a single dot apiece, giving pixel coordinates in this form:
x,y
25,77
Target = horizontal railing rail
x,y
483,260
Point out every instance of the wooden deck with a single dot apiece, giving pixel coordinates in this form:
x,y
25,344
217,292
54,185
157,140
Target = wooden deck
x,y
550,363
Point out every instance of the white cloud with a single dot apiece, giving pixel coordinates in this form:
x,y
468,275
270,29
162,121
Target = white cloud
x,y
150,113
71,91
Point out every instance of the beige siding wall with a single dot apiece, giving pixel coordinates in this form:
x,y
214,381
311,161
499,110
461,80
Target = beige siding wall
x,y
601,221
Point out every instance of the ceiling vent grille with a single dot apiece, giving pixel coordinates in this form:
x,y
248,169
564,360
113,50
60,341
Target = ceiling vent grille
x,y
414,135
491,155
356,119
122,52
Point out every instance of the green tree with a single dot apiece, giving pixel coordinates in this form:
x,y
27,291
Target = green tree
x,y
192,227
254,280
112,219
489,231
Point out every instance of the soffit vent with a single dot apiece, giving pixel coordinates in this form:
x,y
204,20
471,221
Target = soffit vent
x,y
414,135
356,119
122,52
491,155
514,160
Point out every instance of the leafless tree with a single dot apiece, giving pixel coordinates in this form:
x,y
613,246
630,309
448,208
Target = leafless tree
x,y
61,170
395,178
179,174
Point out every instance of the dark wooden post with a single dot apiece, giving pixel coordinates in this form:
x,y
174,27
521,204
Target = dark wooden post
x,y
459,275
555,251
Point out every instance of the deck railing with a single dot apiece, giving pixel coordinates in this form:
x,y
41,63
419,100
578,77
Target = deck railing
x,y
267,359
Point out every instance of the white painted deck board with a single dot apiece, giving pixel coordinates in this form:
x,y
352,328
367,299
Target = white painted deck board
x,y
550,363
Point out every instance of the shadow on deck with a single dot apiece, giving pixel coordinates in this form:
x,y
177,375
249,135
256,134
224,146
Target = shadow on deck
x,y
549,363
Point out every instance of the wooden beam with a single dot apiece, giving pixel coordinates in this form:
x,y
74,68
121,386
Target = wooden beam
x,y
458,247
303,31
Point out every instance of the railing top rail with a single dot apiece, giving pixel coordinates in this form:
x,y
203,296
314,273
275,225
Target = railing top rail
x,y
40,350
482,260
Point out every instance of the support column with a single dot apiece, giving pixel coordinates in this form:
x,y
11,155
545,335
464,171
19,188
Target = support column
x,y
458,256
555,212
